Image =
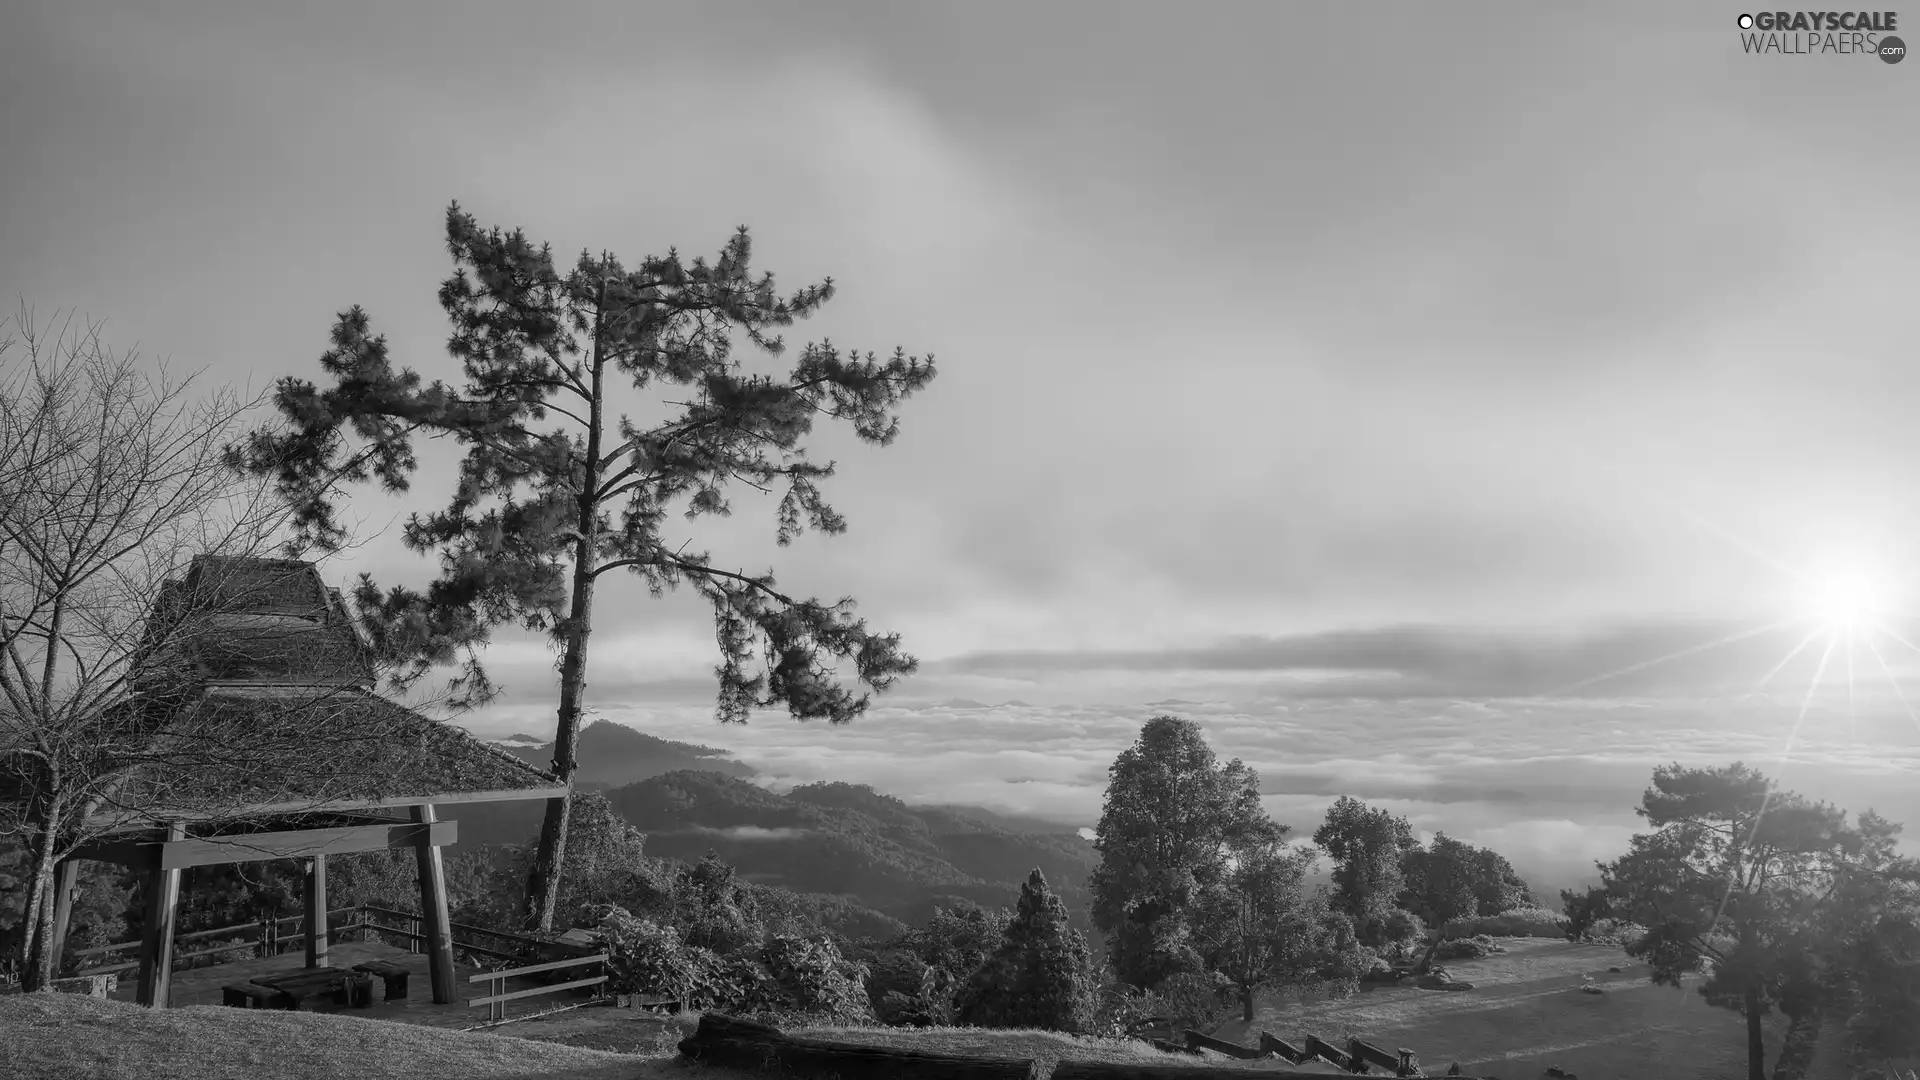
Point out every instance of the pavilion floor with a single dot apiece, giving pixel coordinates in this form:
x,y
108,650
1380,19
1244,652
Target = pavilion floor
x,y
201,986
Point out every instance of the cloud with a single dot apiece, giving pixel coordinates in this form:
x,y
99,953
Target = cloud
x,y
753,832
1687,657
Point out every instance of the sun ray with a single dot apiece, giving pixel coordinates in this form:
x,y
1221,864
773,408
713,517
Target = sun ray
x,y
1689,651
1895,683
1781,666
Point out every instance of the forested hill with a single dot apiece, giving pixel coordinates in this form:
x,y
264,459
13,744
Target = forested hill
x,y
849,840
613,754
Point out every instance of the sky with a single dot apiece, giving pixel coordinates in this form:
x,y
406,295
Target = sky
x,y
1370,386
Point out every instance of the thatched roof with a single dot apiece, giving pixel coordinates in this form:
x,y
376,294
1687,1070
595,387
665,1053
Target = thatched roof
x,y
264,703
266,620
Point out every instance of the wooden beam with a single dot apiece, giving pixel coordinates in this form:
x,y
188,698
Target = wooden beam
x,y
316,921
135,854
156,939
252,847
64,876
433,908
326,806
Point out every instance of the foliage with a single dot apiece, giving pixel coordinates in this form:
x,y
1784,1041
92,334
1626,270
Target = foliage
x,y
556,488
1396,933
1734,882
1583,910
651,959
1201,1000
1037,978
1172,816
1519,922
806,980
1366,845
1477,947
1613,932
1259,926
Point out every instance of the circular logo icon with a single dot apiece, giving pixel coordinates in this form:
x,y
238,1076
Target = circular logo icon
x,y
1746,22
1892,50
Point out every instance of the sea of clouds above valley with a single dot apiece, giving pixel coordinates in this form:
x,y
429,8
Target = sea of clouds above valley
x,y
1549,783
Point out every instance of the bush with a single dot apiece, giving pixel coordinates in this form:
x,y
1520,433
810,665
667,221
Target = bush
x,y
1520,922
645,958
1199,1000
802,980
1391,932
1613,932
1463,949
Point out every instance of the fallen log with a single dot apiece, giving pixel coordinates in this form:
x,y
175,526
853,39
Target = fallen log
x,y
742,1044
1110,1070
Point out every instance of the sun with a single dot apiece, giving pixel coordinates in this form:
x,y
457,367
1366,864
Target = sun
x,y
1847,595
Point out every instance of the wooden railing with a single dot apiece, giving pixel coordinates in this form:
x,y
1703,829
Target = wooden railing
x,y
270,937
496,1002
264,936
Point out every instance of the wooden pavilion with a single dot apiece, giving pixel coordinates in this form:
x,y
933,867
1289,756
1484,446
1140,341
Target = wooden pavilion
x,y
266,740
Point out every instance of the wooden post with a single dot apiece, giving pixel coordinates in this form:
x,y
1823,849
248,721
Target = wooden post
x,y
316,922
156,939
433,911
64,876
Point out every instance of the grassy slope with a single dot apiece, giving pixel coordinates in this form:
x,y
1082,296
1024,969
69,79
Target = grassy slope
x,y
56,1036
1525,1012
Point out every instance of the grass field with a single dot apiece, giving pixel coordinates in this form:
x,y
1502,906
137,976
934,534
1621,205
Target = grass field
x,y
69,1037
1525,1012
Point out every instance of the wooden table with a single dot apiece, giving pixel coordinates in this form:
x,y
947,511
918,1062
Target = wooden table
x,y
304,985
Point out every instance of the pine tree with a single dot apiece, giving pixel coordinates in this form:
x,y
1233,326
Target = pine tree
x,y
557,489
1038,976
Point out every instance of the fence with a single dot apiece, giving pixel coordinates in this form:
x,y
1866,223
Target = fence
x,y
477,945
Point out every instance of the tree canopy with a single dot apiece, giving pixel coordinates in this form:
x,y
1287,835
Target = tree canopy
x,y
1173,818
558,488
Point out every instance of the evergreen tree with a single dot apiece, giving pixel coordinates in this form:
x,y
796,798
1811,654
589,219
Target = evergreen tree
x,y
557,489
1038,976
1737,880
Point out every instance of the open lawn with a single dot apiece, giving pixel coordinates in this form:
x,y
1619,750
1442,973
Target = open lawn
x,y
1526,1012
70,1037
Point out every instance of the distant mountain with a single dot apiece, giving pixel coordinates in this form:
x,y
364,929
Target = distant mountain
x,y
850,841
1019,823
616,754
610,755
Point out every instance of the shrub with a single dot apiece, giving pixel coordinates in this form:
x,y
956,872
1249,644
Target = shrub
x,y
1391,932
804,980
645,958
1520,922
1199,1000
1461,949
1613,932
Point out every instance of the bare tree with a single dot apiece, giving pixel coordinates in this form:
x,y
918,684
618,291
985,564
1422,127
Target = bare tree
x,y
111,483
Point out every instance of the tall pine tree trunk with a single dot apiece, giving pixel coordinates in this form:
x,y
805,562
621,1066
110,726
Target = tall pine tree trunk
x,y
543,884
1756,1038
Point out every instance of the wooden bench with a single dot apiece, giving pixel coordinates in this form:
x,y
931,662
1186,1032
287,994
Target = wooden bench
x,y
394,975
254,996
